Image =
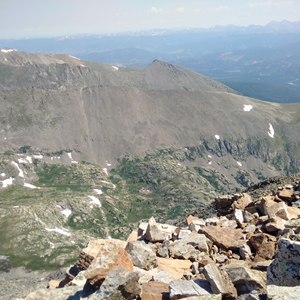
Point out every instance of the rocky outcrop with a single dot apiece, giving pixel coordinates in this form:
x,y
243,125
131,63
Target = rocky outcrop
x,y
231,256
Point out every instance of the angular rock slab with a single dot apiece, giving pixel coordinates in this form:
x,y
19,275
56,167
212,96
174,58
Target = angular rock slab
x,y
141,256
119,284
175,267
285,269
227,237
187,288
276,292
219,281
154,232
108,256
246,280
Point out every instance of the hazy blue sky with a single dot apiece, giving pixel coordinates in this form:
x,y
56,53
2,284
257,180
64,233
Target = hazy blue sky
x,y
29,18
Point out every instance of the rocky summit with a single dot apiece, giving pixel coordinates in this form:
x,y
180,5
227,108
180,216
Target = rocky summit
x,y
249,249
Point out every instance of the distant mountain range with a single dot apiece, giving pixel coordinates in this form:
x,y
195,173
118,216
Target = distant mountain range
x,y
258,61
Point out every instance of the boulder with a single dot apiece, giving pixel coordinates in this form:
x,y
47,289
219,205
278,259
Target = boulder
x,y
219,281
246,280
275,224
266,251
89,253
286,194
154,290
284,270
183,233
175,267
154,232
187,288
79,280
275,292
241,203
162,277
119,284
227,238
103,258
278,209
133,236
238,216
145,276
245,251
141,256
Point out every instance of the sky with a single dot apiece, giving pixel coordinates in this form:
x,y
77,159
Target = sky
x,y
45,18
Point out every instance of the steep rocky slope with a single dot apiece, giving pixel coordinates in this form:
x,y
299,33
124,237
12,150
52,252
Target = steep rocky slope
x,y
158,141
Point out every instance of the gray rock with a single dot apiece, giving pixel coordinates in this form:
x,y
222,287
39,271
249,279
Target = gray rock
x,y
162,276
250,228
221,258
238,215
79,280
262,265
163,252
119,284
212,221
141,256
248,217
183,233
276,292
284,270
245,251
153,232
246,280
219,281
187,288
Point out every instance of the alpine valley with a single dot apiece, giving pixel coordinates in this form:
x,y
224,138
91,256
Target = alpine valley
x,y
88,150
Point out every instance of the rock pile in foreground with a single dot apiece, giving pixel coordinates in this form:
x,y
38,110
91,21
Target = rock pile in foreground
x,y
250,251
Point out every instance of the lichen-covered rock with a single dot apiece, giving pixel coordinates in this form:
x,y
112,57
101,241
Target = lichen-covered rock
x,y
284,270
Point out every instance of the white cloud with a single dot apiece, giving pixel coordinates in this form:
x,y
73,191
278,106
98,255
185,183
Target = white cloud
x,y
156,10
269,3
180,9
221,8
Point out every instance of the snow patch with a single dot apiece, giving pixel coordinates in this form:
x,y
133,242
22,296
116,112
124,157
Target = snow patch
x,y
58,206
247,107
115,68
239,163
210,163
105,171
178,164
38,156
22,161
51,245
5,59
66,212
7,182
61,231
108,164
94,201
2,174
21,174
217,137
75,57
271,131
109,237
70,155
8,50
209,156
16,206
29,159
72,242
30,186
74,162
98,192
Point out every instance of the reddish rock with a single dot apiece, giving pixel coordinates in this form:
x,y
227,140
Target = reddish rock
x,y
227,237
175,267
286,194
100,258
257,239
53,284
154,290
293,212
241,203
189,220
266,251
